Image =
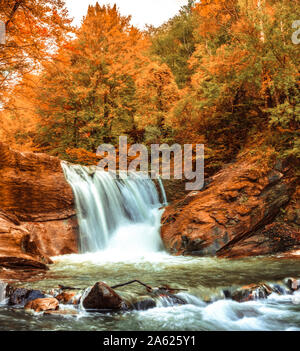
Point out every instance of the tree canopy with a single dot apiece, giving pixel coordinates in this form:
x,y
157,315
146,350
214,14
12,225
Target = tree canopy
x,y
219,73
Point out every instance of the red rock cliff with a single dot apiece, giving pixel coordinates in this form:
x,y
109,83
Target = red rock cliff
x,y
232,216
37,216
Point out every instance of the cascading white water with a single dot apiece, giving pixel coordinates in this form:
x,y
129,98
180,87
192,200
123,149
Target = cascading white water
x,y
2,292
121,214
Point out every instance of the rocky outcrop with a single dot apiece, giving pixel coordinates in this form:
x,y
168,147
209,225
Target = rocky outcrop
x,y
37,215
272,239
229,216
17,249
54,238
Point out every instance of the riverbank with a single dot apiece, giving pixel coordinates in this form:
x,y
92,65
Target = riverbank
x,y
211,285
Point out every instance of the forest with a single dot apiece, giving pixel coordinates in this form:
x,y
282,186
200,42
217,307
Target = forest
x,y
220,73
86,249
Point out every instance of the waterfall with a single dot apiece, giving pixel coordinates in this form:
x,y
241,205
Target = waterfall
x,y
2,292
115,212
163,193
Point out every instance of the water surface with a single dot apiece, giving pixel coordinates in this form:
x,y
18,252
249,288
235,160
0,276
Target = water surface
x,y
204,279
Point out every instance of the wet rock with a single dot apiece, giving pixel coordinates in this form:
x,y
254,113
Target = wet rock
x,y
252,292
189,245
262,290
43,304
22,274
67,298
165,293
102,297
17,262
144,305
172,300
292,283
292,211
33,295
17,296
278,289
21,296
175,189
227,293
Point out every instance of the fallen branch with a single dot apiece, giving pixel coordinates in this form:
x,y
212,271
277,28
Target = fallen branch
x,y
165,289
62,287
168,288
148,287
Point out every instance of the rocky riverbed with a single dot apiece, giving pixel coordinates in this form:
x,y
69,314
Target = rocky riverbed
x,y
104,299
188,293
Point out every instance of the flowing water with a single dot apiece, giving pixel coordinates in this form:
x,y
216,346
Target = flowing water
x,y
115,211
119,241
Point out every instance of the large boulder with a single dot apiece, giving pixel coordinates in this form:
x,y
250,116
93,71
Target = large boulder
x,y
102,297
239,200
37,214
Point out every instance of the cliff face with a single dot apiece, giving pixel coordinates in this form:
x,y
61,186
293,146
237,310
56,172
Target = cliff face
x,y
33,187
37,215
229,218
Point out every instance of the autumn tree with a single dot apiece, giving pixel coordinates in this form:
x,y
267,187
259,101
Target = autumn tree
x,y
34,28
246,75
18,121
88,95
156,95
173,43
217,73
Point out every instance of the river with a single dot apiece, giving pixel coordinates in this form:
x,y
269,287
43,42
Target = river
x,y
119,240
